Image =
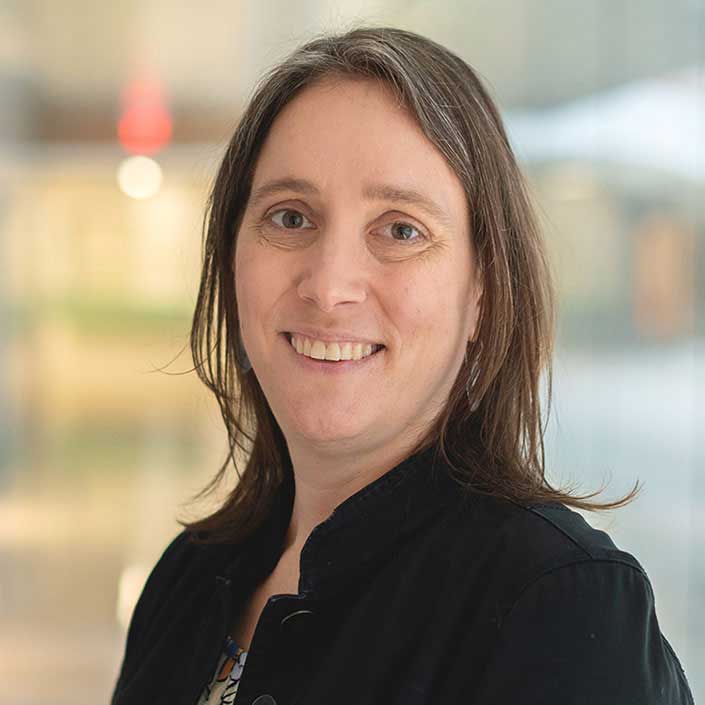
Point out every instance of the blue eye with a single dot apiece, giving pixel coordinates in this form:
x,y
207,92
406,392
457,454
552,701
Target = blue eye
x,y
407,227
291,219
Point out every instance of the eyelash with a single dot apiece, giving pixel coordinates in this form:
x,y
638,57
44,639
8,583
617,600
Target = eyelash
x,y
268,218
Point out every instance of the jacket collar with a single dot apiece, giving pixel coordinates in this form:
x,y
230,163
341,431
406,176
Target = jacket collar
x,y
361,531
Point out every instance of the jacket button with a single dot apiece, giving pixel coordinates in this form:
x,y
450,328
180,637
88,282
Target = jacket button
x,y
295,616
264,700
295,625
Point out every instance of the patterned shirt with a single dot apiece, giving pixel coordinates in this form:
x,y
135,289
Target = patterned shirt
x,y
222,688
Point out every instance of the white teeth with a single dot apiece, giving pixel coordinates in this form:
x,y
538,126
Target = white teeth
x,y
319,350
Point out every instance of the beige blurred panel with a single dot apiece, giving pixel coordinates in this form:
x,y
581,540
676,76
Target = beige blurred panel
x,y
583,231
73,377
83,51
664,277
89,52
78,45
71,230
168,228
200,51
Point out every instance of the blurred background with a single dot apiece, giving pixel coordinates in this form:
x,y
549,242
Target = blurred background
x,y
113,117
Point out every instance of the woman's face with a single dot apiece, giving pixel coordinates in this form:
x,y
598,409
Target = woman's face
x,y
358,227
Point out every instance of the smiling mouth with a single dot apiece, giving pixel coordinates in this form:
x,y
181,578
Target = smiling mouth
x,y
376,348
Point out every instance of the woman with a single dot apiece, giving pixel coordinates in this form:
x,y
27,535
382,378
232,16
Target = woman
x,y
374,316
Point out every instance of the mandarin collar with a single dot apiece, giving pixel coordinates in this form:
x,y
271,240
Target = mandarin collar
x,y
362,530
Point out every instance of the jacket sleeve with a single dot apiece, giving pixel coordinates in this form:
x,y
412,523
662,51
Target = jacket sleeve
x,y
161,576
585,634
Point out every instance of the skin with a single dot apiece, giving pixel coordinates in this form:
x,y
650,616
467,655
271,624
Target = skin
x,y
346,264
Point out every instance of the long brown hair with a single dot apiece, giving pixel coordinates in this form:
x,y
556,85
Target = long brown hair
x,y
490,431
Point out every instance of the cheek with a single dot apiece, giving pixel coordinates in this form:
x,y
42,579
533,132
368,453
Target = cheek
x,y
258,282
419,305
248,288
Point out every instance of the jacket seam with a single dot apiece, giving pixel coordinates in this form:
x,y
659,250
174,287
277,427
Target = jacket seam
x,y
559,528
569,564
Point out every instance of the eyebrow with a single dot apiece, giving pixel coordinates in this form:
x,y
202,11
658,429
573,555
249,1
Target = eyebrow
x,y
373,192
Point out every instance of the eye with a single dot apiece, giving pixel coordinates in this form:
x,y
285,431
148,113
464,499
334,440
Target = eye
x,y
406,230
290,219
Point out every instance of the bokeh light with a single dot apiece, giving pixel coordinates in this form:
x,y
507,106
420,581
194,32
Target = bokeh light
x,y
139,177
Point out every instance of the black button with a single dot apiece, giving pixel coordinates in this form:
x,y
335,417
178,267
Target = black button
x,y
298,616
264,700
295,629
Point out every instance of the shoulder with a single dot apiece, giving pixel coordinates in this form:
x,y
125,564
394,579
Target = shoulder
x,y
181,577
586,631
183,568
520,544
572,612
181,561
557,534
177,556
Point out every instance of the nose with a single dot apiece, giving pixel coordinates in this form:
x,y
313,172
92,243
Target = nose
x,y
333,269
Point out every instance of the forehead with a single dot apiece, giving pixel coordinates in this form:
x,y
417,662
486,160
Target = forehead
x,y
335,100
349,131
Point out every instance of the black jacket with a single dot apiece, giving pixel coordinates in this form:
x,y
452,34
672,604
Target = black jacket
x,y
410,594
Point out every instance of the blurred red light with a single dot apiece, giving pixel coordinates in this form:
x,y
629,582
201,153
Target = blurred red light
x,y
145,125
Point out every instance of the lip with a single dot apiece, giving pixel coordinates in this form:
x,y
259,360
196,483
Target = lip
x,y
330,367
340,336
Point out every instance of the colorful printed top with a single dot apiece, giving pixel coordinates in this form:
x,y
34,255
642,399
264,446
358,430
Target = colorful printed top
x,y
222,688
